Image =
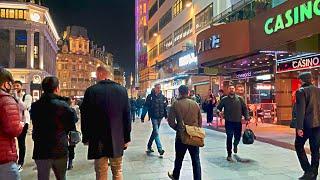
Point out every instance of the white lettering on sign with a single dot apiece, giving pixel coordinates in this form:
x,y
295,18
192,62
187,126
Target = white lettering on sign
x,y
212,43
244,75
188,59
305,63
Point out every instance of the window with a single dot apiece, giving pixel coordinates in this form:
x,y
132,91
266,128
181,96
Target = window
x,y
4,48
153,30
165,19
165,44
13,13
21,49
204,18
183,32
177,7
36,50
153,53
73,67
144,8
153,9
161,2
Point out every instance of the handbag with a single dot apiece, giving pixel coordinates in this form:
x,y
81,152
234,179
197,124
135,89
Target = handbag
x,y
191,135
74,137
248,136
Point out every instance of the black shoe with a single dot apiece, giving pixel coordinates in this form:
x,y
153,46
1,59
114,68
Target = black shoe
x,y
150,150
235,149
308,176
161,152
170,175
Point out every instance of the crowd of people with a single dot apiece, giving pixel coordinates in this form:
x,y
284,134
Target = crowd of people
x,y
106,114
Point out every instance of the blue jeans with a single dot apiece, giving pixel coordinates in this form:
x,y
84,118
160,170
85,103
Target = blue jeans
x,y
9,171
233,129
194,152
155,134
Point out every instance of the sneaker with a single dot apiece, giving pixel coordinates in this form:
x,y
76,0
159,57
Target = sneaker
x,y
161,152
308,176
230,159
150,150
20,168
235,149
170,175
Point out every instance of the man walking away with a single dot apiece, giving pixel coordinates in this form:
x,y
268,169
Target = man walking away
x,y
308,125
156,104
10,128
133,108
140,102
106,124
234,108
52,120
25,101
191,115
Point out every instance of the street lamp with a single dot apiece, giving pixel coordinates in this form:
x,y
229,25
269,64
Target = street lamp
x,y
189,4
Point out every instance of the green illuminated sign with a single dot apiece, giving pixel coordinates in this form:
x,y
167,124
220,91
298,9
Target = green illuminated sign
x,y
292,17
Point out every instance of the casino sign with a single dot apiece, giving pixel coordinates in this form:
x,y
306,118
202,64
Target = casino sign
x,y
302,62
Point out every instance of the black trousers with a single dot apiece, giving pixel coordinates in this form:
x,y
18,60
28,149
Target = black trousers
x,y
314,140
71,151
209,116
233,129
22,144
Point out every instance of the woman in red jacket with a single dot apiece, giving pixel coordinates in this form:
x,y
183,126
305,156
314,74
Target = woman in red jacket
x,y
10,128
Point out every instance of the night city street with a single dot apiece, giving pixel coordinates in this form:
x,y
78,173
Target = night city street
x,y
159,89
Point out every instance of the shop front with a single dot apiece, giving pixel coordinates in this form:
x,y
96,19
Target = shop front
x,y
266,56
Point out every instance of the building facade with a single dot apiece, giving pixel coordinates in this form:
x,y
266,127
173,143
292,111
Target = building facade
x,y
264,59
173,26
77,61
28,43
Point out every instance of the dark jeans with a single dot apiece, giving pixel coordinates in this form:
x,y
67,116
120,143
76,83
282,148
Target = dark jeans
x,y
209,116
314,140
233,129
194,152
22,144
133,115
71,152
59,167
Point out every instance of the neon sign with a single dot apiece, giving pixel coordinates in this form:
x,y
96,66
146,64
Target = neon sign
x,y
297,15
307,61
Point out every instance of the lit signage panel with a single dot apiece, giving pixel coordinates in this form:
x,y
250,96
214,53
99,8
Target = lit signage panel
x,y
188,59
308,61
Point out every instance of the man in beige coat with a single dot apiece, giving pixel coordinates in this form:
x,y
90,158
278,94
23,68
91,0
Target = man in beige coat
x,y
189,111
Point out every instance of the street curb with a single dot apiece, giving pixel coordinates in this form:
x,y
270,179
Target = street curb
x,y
265,140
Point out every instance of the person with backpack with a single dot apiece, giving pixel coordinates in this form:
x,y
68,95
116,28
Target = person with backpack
x,y
25,101
234,108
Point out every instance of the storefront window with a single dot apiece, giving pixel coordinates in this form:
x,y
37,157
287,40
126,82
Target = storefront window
x,y
4,48
204,17
183,32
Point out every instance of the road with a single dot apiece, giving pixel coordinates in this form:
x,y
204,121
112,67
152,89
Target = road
x,y
262,161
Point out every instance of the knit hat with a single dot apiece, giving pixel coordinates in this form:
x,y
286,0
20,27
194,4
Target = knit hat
x,y
305,77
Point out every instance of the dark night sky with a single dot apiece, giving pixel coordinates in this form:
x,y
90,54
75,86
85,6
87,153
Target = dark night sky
x,y
109,23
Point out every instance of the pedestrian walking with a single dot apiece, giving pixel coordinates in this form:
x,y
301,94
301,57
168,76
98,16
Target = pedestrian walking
x,y
10,127
106,124
139,102
145,109
71,145
191,115
133,109
25,101
234,108
308,125
210,104
157,110
52,120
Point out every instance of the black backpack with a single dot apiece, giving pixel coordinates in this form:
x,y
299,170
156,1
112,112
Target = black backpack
x,y
248,137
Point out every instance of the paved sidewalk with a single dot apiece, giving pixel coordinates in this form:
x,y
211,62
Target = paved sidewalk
x,y
278,135
263,161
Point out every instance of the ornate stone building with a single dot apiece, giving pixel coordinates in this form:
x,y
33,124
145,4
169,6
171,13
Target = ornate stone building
x,y
28,43
77,61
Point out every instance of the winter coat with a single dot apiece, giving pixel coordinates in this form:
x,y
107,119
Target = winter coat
x,y
308,107
234,108
105,119
52,120
157,106
10,127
